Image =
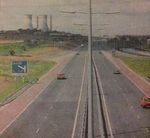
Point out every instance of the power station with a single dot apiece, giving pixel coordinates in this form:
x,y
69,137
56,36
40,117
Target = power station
x,y
42,25
28,22
41,22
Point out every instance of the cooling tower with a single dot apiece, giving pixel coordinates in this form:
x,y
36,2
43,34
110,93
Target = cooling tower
x,y
28,22
43,23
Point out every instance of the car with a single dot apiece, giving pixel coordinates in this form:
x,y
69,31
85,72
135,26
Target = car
x,y
145,102
82,45
61,76
117,72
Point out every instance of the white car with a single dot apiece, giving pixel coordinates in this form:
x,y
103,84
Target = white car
x,y
82,45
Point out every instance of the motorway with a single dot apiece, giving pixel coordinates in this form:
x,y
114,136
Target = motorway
x,y
127,118
58,112
53,114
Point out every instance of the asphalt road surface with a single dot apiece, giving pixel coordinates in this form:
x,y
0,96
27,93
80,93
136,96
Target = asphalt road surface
x,y
127,118
58,111
55,113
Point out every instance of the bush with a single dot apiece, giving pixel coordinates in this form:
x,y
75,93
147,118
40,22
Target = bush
x,y
12,52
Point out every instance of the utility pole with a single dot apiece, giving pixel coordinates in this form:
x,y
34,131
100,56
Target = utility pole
x,y
90,76
51,23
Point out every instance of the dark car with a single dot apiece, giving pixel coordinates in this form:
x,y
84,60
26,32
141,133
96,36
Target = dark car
x,y
117,72
61,76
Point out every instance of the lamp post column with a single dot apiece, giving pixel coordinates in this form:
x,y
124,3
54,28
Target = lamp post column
x,y
90,76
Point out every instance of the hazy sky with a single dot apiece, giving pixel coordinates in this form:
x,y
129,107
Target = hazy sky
x,y
133,19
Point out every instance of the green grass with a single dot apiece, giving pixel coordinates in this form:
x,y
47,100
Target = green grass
x,y
147,48
140,65
21,48
5,48
35,70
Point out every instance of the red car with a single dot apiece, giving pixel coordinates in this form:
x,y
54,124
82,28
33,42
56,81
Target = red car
x,y
61,76
145,102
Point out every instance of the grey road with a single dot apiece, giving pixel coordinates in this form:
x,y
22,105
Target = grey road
x,y
58,111
55,113
127,118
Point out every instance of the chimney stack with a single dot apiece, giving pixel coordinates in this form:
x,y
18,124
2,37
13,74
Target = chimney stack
x,y
28,22
51,23
42,25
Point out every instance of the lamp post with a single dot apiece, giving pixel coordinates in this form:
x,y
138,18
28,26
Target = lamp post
x,y
90,76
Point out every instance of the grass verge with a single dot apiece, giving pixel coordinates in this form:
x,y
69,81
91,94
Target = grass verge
x,y
140,65
35,70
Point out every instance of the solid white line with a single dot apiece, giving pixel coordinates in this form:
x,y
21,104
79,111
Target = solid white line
x,y
79,101
104,102
99,112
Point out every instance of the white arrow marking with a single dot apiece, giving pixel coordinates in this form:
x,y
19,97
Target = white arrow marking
x,y
24,68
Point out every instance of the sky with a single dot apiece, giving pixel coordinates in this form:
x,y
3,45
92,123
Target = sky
x,y
134,16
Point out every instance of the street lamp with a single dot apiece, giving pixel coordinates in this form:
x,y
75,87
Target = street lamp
x,y
90,76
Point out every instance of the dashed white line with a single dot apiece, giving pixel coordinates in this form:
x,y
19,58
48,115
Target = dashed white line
x,y
147,130
138,117
131,107
37,131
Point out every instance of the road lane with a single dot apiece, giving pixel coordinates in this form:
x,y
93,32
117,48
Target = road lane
x,y
127,118
53,113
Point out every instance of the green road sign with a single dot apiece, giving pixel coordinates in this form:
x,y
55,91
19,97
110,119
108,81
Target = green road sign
x,y
19,67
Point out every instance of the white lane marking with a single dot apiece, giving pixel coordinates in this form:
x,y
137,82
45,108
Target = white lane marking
x,y
51,107
1,132
138,117
147,130
131,107
79,100
45,117
37,131
104,102
101,128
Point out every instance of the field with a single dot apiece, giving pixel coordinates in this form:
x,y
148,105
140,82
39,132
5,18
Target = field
x,y
147,48
39,62
9,41
140,65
